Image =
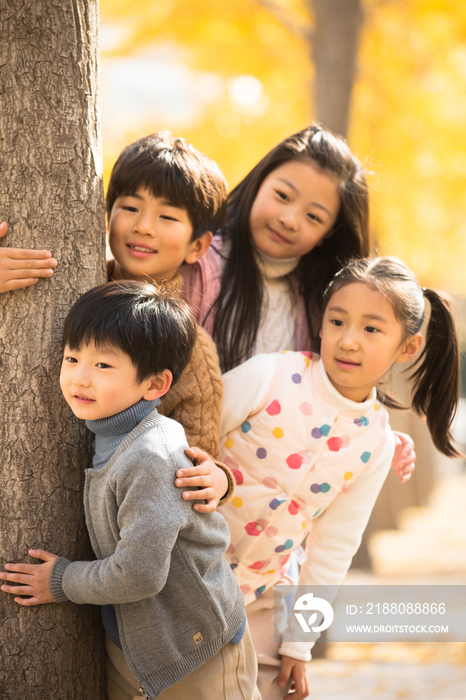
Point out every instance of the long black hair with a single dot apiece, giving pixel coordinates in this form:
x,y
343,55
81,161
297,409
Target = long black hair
x,y
436,372
239,304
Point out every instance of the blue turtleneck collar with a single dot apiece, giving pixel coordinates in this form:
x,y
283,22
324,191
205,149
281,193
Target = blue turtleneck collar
x,y
124,422
109,432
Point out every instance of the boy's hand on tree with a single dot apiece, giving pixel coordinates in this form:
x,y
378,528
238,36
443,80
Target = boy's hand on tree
x,y
296,671
404,458
20,267
211,479
34,579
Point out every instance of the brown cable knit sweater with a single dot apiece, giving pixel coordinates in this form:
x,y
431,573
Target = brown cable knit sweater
x,y
195,400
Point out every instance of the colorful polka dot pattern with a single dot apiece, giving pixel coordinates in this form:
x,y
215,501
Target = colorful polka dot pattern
x,y
271,531
238,475
307,357
294,461
323,431
278,530
233,464
259,565
274,409
336,443
320,488
276,503
255,528
287,545
259,591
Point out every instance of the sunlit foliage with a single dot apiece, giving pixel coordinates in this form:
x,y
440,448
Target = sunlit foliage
x,y
247,74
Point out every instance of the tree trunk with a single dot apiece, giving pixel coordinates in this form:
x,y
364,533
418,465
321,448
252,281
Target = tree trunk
x,y
51,195
335,41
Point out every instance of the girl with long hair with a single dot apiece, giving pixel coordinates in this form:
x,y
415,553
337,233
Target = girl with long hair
x,y
296,219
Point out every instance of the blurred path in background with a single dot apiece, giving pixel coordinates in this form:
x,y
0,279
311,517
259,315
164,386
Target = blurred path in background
x,y
428,548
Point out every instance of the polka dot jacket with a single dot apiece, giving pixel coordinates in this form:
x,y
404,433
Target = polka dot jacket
x,y
307,462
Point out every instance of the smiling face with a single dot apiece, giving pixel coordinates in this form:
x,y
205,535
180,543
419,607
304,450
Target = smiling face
x,y
98,382
296,206
150,238
361,339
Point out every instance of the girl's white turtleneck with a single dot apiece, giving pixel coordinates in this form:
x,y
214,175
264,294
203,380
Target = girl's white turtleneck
x,y
279,309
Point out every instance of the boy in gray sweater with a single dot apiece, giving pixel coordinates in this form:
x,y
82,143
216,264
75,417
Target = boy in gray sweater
x,y
171,605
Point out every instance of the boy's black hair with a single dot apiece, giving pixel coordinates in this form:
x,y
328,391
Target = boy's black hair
x,y
173,169
155,330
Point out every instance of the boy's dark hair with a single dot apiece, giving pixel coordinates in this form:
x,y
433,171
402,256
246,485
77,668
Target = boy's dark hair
x,y
172,168
155,330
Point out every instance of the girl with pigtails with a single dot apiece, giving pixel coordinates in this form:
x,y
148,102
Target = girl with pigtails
x,y
293,222
296,219
308,439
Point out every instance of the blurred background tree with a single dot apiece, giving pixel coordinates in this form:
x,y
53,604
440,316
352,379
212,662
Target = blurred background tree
x,y
235,78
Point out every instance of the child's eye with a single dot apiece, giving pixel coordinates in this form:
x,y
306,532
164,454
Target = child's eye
x,y
70,359
371,329
314,217
336,322
102,365
168,218
282,195
128,208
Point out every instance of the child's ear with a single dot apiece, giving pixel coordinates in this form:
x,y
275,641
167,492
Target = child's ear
x,y
410,348
158,385
198,247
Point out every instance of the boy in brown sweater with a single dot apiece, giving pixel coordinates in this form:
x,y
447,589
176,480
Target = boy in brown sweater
x,y
164,199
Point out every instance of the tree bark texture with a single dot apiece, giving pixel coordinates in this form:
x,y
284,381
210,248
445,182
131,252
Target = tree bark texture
x,y
335,43
51,195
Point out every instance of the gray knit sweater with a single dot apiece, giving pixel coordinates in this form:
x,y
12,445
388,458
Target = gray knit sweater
x,y
158,561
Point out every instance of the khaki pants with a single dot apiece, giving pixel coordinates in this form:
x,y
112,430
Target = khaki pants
x,y
261,623
229,675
